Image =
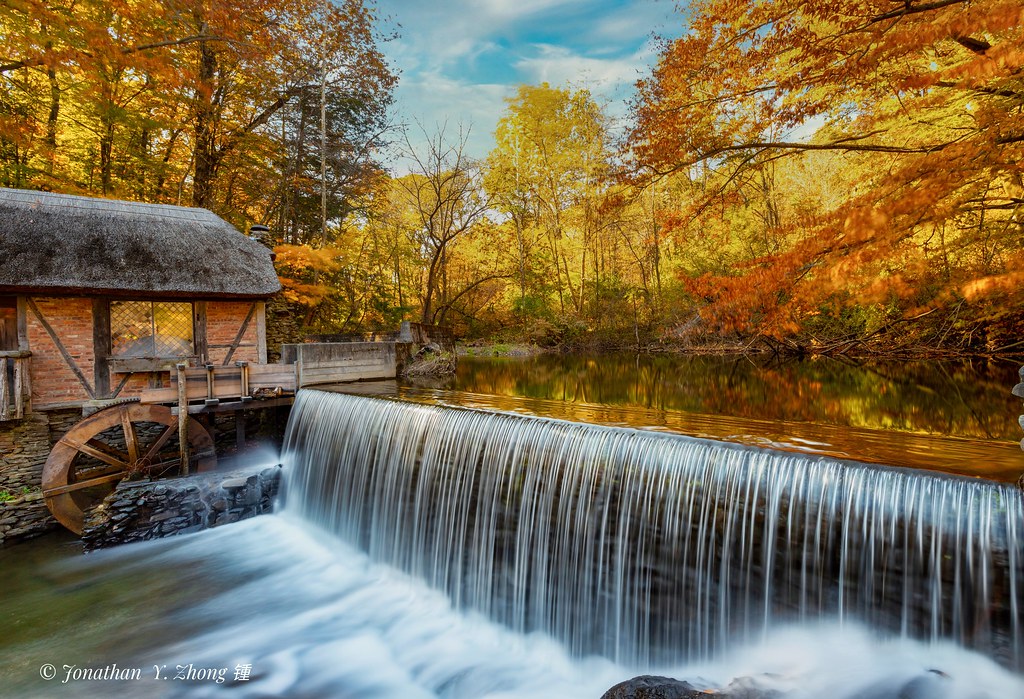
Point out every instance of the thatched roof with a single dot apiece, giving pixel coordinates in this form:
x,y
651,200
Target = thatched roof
x,y
63,244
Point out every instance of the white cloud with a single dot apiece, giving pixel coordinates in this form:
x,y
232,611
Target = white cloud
x,y
561,66
460,59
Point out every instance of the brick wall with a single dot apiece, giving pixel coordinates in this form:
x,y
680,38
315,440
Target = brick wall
x,y
53,381
223,320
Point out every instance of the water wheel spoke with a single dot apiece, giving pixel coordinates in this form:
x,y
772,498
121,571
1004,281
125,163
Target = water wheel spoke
x,y
82,485
70,481
131,439
108,449
98,450
155,448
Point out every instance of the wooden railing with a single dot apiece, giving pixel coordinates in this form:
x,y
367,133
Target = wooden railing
x,y
14,384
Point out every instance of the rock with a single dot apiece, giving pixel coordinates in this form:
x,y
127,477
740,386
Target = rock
x,y
654,687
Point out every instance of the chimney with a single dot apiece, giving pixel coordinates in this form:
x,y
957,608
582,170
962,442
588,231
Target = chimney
x,y
260,233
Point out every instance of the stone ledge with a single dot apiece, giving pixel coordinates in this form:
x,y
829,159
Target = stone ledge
x,y
143,510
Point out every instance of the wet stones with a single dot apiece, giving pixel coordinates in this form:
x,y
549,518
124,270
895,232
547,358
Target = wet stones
x,y
139,511
655,687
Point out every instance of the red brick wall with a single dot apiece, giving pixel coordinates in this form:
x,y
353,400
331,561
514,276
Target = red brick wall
x,y
223,320
71,319
52,378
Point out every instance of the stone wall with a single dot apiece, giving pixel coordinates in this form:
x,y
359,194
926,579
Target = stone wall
x,y
24,446
143,510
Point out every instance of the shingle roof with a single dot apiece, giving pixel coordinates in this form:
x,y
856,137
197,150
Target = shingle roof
x,y
61,243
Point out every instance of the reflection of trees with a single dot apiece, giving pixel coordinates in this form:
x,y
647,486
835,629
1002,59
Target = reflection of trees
x,y
969,399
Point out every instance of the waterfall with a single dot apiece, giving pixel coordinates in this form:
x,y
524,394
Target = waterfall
x,y
649,548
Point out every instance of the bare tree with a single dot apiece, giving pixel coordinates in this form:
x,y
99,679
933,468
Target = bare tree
x,y
445,188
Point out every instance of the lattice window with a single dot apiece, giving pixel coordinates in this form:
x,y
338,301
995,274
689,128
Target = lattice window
x,y
151,329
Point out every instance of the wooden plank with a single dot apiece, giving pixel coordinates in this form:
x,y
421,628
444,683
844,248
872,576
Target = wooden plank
x,y
227,384
145,365
102,347
261,332
201,409
283,374
68,359
343,365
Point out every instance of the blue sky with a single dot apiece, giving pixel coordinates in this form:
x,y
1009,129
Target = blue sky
x,y
459,59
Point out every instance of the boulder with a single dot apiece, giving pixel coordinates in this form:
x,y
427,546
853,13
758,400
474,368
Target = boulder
x,y
654,687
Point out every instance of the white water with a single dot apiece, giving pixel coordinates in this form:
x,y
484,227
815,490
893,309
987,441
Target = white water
x,y
316,618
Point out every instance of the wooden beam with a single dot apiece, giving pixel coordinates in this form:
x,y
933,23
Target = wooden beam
x,y
202,346
5,403
23,324
240,335
101,347
68,359
261,332
239,430
182,419
20,398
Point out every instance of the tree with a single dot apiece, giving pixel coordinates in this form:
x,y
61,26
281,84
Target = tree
x,y
549,173
923,98
176,101
446,194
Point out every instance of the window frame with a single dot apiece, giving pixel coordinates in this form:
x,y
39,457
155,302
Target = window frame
x,y
125,360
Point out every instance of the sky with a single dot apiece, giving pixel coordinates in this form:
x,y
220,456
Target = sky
x,y
459,59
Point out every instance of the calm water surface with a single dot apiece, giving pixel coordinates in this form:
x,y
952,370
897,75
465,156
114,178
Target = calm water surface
x,y
956,417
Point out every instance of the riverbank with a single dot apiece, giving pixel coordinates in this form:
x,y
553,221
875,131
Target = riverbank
x,y
852,349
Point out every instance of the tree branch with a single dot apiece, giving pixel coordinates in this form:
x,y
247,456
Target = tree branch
x,y
42,60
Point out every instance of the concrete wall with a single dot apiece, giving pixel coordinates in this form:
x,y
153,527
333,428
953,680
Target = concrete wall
x,y
325,363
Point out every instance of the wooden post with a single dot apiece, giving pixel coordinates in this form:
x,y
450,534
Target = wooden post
x,y
5,404
239,430
244,380
261,332
211,389
19,387
183,418
101,347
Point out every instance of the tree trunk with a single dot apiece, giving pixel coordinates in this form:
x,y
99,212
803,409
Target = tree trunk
x,y
206,142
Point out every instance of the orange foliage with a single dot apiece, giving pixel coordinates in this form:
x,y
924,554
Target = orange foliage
x,y
300,268
928,100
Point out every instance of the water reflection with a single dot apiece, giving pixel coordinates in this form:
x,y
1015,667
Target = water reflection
x,y
956,417
961,399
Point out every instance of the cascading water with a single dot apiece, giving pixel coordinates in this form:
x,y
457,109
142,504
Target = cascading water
x,y
651,549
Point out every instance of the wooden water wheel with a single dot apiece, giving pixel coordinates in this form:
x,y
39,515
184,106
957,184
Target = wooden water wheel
x,y
122,440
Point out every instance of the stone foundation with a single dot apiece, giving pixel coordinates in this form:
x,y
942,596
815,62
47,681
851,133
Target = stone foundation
x,y
24,446
143,510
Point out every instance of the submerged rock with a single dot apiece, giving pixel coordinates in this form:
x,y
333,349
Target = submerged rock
x,y
654,687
